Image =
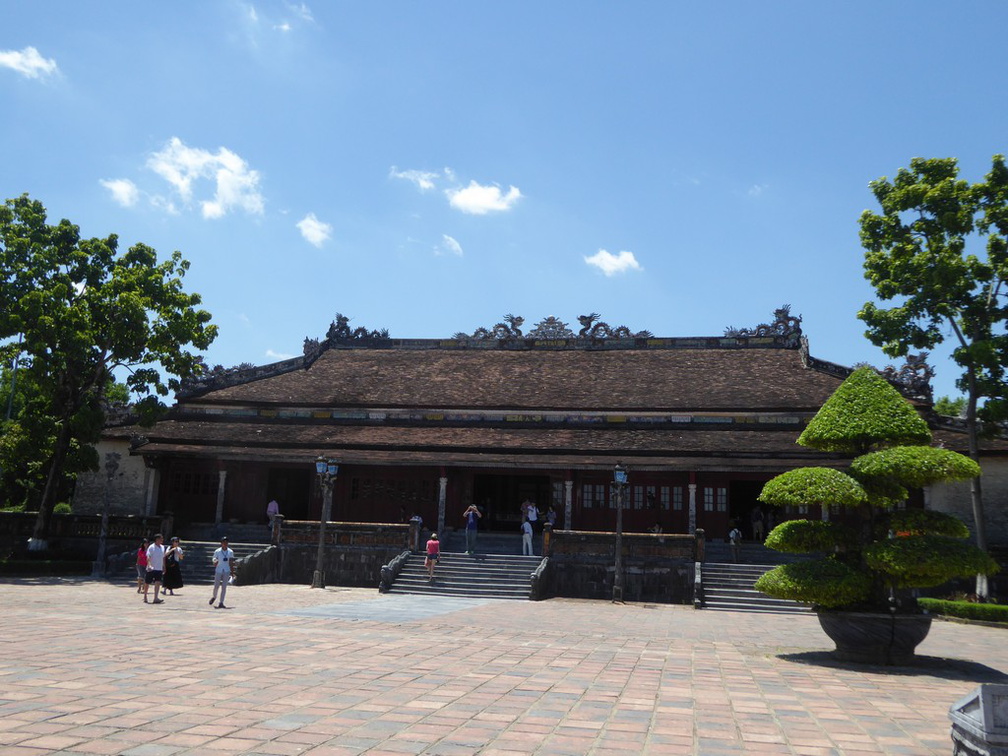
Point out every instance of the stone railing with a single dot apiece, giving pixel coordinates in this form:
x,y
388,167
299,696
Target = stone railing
x,y
657,567
390,571
539,581
76,529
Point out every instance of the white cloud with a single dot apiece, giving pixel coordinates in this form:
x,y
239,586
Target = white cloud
x,y
123,191
277,356
480,200
235,184
757,189
448,245
611,264
284,27
424,180
28,62
313,230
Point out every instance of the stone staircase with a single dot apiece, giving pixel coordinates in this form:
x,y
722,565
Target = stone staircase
x,y
497,576
197,564
728,585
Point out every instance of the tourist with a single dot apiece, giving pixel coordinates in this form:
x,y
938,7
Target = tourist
x,y
141,565
532,513
155,568
656,528
757,524
551,516
433,554
173,567
527,538
272,510
471,515
734,539
223,561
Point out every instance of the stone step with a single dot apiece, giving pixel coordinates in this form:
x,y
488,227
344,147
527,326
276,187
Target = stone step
x,y
480,576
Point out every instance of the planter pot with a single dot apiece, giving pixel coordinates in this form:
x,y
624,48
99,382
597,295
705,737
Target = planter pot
x,y
875,638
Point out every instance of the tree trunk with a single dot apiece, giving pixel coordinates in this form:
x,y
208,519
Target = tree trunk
x,y
60,450
976,491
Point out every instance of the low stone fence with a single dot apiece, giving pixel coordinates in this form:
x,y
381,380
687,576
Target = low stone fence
x,y
72,534
657,567
354,551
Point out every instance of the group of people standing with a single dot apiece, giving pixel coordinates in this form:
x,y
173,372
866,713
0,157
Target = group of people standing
x,y
161,567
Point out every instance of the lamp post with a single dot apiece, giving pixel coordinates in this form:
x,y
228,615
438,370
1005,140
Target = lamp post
x,y
111,466
619,485
326,470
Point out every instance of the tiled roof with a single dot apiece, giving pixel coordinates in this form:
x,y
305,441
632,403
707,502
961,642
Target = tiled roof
x,y
658,380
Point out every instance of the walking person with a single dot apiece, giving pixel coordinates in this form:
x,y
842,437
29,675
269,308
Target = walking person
x,y
471,515
223,561
155,568
532,512
757,524
141,565
527,538
734,539
433,554
272,510
173,567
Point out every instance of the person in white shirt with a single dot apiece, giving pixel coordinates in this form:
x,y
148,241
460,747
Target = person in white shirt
x,y
527,538
223,560
155,568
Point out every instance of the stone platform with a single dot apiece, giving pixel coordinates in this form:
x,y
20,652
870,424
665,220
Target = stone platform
x,y
87,668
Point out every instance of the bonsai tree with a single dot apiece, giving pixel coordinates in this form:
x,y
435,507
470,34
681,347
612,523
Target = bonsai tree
x,y
870,563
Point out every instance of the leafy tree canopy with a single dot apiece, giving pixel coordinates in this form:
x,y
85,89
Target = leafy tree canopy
x,y
914,466
74,310
865,412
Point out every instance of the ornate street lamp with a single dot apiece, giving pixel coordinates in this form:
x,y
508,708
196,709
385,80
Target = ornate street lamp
x,y
326,470
111,466
619,486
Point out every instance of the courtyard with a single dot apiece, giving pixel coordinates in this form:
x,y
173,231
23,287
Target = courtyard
x,y
87,668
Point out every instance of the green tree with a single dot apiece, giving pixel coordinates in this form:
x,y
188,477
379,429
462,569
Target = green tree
x,y
73,311
946,405
888,550
938,249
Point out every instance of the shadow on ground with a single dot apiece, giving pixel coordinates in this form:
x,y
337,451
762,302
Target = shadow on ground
x,y
930,666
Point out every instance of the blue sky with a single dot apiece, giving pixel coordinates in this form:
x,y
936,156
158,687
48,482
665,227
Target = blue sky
x,y
429,167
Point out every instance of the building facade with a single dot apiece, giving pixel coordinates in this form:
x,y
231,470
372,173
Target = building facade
x,y
499,417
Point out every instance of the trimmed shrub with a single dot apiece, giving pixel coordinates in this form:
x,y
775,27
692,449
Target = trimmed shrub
x,y
807,536
914,466
813,485
864,412
822,582
965,609
927,560
910,522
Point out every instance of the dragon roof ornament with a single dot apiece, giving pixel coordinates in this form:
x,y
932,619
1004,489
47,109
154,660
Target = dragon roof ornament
x,y
552,329
785,326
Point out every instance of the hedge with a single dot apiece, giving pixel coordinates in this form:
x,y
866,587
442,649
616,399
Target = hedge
x,y
965,609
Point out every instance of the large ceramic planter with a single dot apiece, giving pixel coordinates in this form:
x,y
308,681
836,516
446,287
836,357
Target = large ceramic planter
x,y
875,638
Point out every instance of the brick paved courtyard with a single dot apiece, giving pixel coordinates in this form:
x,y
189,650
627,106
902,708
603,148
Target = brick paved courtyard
x,y
87,668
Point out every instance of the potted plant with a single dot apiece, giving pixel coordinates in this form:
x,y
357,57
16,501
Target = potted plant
x,y
870,560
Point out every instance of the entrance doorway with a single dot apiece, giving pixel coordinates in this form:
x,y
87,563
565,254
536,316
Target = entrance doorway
x,y
292,489
499,498
741,502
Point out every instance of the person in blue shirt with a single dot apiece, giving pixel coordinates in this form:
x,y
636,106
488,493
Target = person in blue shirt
x,y
471,515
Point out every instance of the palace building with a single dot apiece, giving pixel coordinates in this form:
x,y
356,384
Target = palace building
x,y
428,426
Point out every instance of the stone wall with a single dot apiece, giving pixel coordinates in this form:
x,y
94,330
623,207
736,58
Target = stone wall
x,y
127,491
354,552
954,498
657,568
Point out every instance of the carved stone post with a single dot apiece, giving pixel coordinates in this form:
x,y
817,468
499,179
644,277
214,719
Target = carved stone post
x,y
568,504
442,495
692,508
276,532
